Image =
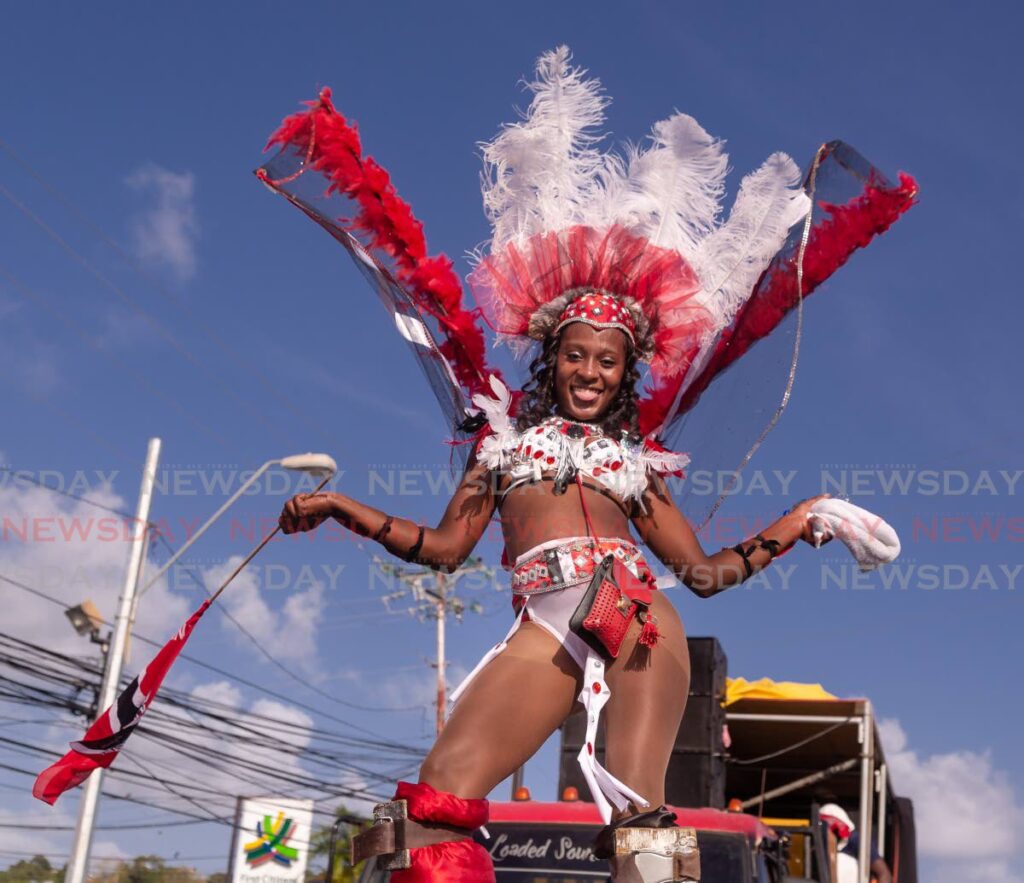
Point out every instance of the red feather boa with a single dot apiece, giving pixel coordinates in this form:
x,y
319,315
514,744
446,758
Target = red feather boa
x,y
463,862
847,228
333,149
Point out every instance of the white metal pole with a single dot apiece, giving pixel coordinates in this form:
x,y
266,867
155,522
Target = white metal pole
x,y
442,699
78,861
883,793
867,782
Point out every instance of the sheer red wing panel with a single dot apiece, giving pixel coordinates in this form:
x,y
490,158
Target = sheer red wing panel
x,y
387,244
841,229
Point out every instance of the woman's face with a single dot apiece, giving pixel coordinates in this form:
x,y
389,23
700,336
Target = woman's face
x,y
588,370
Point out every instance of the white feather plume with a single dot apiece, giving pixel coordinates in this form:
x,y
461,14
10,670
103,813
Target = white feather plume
x,y
539,172
730,260
545,174
497,447
671,191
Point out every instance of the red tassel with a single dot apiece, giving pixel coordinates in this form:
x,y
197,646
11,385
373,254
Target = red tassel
x,y
649,634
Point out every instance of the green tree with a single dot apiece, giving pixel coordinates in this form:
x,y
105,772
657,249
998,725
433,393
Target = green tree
x,y
320,845
34,870
147,869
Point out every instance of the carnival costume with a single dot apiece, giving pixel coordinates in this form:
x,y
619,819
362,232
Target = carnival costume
x,y
633,242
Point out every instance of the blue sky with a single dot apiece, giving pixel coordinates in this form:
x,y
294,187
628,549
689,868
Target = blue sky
x,y
259,340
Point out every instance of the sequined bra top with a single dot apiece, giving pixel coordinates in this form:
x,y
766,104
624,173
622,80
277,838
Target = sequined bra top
x,y
560,448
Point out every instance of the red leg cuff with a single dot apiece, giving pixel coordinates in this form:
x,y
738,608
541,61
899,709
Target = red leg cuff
x,y
464,861
429,805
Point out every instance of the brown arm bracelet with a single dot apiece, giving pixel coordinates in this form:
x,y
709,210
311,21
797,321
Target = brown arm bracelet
x,y
772,546
385,529
415,548
745,555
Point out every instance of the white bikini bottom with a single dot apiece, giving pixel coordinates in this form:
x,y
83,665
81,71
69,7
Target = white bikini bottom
x,y
552,611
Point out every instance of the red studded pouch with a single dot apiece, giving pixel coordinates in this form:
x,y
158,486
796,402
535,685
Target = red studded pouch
x,y
612,601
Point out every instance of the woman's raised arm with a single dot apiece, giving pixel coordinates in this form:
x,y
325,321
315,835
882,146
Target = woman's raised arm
x,y
667,533
444,547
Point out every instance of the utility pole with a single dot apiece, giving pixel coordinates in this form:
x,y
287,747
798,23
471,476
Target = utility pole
x,y
441,607
78,860
434,602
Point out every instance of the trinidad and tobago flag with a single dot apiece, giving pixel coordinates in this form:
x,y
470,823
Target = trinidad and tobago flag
x,y
103,740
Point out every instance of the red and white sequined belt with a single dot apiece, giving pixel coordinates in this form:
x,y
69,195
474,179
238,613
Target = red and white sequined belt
x,y
563,564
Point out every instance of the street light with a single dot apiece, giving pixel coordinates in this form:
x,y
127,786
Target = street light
x,y
315,464
82,619
86,619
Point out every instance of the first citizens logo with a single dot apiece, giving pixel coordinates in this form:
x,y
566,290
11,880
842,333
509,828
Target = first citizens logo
x,y
272,842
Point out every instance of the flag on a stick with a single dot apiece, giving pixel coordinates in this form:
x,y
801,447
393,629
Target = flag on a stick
x,y
103,740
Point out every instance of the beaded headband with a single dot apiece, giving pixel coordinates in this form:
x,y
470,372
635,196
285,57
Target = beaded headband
x,y
599,310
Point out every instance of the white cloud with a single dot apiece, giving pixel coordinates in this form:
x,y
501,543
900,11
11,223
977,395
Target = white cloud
x,y
33,841
288,632
71,551
968,819
165,233
976,871
219,691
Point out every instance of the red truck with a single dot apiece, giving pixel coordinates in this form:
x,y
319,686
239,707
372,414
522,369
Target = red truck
x,y
536,842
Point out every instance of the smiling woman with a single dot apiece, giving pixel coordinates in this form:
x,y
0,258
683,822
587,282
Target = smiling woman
x,y
601,263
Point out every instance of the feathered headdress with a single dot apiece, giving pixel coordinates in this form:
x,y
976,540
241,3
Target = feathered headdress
x,y
569,219
643,228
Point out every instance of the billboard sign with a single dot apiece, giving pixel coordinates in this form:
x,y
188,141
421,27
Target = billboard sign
x,y
271,840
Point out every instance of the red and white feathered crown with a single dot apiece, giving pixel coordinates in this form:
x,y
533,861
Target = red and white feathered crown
x,y
570,220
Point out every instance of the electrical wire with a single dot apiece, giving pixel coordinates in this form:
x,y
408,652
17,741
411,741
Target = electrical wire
x,y
172,732
20,475
128,301
216,669
748,761
123,367
252,368
280,665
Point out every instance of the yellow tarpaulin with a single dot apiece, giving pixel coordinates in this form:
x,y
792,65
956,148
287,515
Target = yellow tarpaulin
x,y
766,688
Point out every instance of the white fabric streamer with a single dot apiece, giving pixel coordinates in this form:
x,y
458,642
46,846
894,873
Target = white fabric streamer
x,y
871,540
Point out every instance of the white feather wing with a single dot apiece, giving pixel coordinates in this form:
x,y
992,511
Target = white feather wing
x,y
730,260
669,192
539,172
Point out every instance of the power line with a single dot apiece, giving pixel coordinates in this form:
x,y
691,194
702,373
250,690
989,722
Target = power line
x,y
276,662
239,729
210,667
183,351
210,333
126,369
43,663
136,826
20,475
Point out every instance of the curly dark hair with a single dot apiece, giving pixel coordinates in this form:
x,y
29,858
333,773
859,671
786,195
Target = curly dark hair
x,y
540,400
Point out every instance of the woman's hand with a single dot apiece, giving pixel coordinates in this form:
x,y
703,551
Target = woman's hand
x,y
306,512
799,514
